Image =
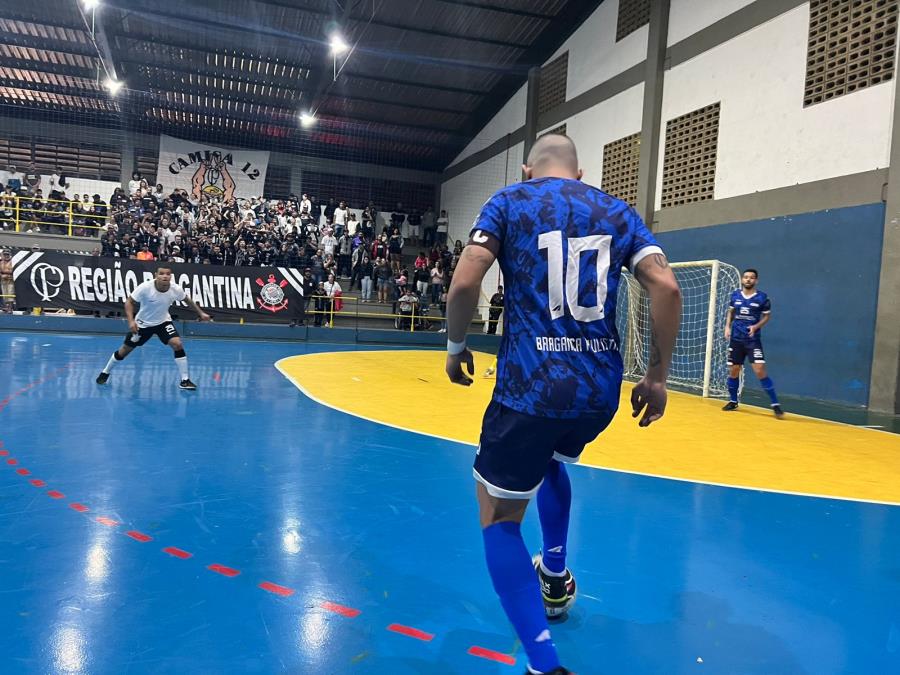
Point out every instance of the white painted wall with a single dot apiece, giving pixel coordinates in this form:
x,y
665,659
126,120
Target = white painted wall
x,y
510,118
594,57
594,54
608,121
767,139
464,195
687,17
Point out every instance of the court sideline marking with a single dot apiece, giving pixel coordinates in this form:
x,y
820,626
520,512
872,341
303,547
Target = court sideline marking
x,y
280,365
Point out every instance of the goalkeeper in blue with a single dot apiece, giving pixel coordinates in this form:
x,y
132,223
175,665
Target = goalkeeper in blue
x,y
561,245
748,311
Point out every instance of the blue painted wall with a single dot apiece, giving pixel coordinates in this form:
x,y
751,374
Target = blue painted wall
x,y
821,270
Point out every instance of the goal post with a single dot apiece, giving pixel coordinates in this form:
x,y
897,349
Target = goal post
x,y
698,360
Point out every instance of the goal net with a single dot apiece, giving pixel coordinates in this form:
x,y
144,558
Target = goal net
x,y
698,362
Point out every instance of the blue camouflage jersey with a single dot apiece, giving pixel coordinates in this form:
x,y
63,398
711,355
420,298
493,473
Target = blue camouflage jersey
x,y
561,245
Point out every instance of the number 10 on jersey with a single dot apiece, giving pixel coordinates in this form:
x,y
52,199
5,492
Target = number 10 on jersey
x,y
552,242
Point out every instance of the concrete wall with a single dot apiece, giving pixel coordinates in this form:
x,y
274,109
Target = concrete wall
x,y
821,270
767,139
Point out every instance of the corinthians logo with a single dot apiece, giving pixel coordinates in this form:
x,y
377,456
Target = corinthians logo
x,y
46,279
271,295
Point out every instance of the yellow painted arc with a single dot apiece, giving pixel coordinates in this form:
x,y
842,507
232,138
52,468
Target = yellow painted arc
x,y
695,441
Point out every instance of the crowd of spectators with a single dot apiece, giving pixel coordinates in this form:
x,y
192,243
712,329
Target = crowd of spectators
x,y
326,240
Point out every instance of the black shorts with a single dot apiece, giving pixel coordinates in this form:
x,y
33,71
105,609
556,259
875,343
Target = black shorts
x,y
752,351
515,449
164,331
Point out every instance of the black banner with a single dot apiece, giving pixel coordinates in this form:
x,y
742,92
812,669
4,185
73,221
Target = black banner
x,y
94,284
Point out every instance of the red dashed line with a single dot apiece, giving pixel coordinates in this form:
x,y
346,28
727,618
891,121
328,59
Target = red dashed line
x,y
411,632
177,553
284,591
139,536
276,589
224,571
491,655
340,609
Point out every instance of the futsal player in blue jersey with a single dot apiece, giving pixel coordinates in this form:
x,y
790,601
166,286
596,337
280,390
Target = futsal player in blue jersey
x,y
748,311
561,245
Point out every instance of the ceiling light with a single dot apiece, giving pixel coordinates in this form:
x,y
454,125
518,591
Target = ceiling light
x,y
113,85
307,119
90,4
337,44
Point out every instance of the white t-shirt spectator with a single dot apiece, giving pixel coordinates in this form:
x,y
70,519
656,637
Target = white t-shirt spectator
x,y
154,304
340,216
134,186
331,288
443,224
306,204
169,235
328,243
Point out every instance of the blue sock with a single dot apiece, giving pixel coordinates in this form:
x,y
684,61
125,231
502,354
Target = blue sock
x,y
733,384
554,498
517,585
769,387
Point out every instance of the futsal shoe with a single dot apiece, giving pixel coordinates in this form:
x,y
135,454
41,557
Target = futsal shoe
x,y
731,405
555,671
779,413
187,385
102,378
558,592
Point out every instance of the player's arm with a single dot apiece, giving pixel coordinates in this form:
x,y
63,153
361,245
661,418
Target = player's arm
x,y
656,277
755,328
462,299
203,316
129,315
729,317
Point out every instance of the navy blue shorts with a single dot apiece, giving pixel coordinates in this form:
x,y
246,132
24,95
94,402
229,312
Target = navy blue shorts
x,y
515,449
738,351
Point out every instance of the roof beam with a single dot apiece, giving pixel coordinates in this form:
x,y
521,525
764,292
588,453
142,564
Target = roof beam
x,y
48,44
503,10
44,67
93,22
394,25
261,82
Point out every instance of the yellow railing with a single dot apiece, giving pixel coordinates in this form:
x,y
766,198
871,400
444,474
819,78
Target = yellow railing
x,y
330,312
26,215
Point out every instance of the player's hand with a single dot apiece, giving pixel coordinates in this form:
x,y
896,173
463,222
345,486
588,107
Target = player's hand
x,y
650,397
205,317
133,327
455,370
752,330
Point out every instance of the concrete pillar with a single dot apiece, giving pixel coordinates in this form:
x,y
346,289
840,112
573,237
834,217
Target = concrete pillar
x,y
531,110
884,386
654,77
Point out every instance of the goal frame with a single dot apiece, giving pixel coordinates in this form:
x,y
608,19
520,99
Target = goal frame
x,y
633,341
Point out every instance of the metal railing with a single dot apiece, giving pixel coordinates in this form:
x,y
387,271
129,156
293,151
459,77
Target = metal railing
x,y
23,214
418,320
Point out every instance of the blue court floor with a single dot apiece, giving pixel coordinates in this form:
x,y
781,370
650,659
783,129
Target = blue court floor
x,y
352,528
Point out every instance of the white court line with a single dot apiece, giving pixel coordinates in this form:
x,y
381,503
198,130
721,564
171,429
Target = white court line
x,y
309,395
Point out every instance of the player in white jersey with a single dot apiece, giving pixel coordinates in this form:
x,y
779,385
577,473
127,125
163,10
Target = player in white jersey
x,y
155,297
